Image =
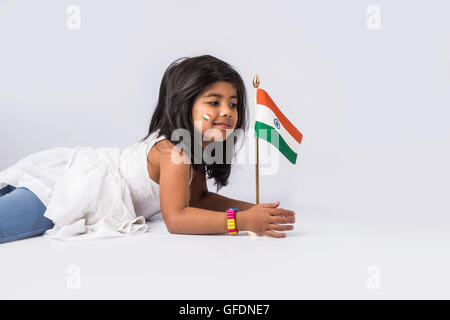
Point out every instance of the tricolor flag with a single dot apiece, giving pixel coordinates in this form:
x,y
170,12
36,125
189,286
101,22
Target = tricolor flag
x,y
275,127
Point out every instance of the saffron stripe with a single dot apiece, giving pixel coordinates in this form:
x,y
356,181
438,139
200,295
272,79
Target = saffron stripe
x,y
262,97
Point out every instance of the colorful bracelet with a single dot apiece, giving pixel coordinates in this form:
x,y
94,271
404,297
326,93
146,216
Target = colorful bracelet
x,y
231,220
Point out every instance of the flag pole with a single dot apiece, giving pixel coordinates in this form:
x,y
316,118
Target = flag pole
x,y
256,85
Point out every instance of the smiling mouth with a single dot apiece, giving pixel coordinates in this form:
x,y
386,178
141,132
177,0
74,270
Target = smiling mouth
x,y
222,125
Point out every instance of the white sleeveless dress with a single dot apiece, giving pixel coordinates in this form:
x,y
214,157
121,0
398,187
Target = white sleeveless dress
x,y
91,193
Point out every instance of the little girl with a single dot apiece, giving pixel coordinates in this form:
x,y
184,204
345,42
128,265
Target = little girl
x,y
68,192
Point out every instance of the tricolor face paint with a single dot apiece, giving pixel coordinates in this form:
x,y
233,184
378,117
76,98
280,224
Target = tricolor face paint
x,y
206,116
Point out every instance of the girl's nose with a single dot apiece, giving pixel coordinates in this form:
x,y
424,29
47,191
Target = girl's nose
x,y
225,110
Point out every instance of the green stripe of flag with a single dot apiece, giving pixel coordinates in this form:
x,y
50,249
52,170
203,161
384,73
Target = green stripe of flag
x,y
283,147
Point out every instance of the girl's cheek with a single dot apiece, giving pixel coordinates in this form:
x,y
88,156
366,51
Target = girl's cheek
x,y
207,119
204,122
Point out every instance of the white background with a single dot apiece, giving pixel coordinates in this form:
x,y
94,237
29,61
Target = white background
x,y
371,183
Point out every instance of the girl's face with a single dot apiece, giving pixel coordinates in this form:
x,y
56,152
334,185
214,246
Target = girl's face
x,y
214,112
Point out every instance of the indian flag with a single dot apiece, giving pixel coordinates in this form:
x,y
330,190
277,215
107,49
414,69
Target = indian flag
x,y
273,126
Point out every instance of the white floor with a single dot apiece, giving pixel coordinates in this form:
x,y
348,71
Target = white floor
x,y
323,258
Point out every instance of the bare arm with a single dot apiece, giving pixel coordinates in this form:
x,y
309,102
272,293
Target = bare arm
x,y
178,216
200,221
202,198
217,202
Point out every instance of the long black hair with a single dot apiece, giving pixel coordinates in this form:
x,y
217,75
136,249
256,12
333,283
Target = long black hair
x,y
182,82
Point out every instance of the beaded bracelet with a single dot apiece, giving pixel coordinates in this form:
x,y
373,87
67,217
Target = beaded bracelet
x,y
231,220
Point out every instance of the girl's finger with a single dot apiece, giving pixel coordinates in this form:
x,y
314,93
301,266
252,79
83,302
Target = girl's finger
x,y
270,205
281,219
277,227
282,212
275,234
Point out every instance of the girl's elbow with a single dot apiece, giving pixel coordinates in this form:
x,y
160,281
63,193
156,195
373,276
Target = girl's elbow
x,y
171,222
171,229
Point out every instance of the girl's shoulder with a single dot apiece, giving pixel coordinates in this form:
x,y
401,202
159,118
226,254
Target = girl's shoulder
x,y
165,147
165,155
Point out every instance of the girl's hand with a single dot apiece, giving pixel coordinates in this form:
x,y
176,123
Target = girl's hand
x,y
264,218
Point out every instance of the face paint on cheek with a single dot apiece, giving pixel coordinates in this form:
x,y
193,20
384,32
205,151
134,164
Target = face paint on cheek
x,y
206,116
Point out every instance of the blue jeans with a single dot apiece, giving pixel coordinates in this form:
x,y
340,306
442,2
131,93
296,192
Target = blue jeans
x,y
21,214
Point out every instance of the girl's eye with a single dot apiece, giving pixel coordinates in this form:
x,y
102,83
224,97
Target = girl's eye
x,y
233,105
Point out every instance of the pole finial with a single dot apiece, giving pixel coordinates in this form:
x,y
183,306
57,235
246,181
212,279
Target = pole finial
x,y
256,81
